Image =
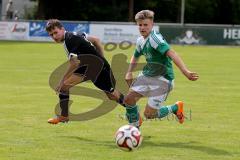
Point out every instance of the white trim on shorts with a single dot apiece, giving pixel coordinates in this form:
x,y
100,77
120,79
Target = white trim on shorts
x,y
155,88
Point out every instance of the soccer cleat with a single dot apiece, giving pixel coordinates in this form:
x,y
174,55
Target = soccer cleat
x,y
58,119
179,112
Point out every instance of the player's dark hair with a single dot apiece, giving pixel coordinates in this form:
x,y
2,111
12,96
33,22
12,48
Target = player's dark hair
x,y
144,14
52,23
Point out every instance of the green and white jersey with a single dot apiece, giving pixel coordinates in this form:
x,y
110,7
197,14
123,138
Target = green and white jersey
x,y
154,48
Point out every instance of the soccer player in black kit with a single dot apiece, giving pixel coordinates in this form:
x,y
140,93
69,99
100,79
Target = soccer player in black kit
x,y
86,62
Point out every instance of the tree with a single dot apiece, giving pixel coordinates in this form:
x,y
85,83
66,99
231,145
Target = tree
x,y
204,11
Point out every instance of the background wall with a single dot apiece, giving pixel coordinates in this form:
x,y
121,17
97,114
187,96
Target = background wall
x,y
24,8
110,32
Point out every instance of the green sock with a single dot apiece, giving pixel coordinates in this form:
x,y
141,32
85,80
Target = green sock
x,y
132,114
165,110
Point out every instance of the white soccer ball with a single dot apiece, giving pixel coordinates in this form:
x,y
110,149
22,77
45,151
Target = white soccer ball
x,y
128,138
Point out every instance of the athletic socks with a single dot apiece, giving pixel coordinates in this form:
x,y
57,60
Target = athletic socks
x,y
132,114
165,110
63,101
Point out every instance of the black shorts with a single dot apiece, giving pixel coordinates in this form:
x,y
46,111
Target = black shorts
x,y
103,80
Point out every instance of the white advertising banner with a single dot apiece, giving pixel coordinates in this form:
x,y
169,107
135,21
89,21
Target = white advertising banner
x,y
3,30
14,30
115,32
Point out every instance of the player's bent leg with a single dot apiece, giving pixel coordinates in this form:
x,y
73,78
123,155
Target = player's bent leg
x,y
73,80
156,110
64,99
176,109
132,97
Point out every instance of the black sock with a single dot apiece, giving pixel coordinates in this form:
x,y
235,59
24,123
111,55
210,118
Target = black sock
x,y
121,99
63,101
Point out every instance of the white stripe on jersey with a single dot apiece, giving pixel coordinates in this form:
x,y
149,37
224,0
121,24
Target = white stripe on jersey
x,y
85,34
65,47
140,43
153,43
156,39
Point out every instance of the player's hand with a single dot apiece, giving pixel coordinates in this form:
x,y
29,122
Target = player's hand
x,y
129,78
59,87
192,76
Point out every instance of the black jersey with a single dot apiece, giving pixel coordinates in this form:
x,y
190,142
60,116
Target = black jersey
x,y
93,66
77,43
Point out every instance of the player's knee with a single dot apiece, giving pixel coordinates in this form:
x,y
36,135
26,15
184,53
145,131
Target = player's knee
x,y
66,86
64,89
65,83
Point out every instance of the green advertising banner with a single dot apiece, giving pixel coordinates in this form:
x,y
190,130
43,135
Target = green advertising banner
x,y
201,35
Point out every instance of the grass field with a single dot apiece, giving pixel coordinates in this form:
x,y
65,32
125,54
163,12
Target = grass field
x,y
27,101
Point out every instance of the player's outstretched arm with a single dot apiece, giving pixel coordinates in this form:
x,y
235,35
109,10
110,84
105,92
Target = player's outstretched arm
x,y
97,43
193,76
132,66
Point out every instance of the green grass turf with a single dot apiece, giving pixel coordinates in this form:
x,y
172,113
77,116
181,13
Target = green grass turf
x,y
27,102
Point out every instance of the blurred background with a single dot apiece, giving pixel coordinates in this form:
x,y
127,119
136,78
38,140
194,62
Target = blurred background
x,y
207,34
170,11
204,22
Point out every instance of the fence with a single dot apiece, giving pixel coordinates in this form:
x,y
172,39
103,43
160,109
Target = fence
x,y
118,32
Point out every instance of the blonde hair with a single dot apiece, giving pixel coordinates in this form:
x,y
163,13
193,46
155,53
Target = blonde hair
x,y
144,14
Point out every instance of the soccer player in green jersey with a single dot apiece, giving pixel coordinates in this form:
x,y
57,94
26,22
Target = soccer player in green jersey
x,y
156,79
